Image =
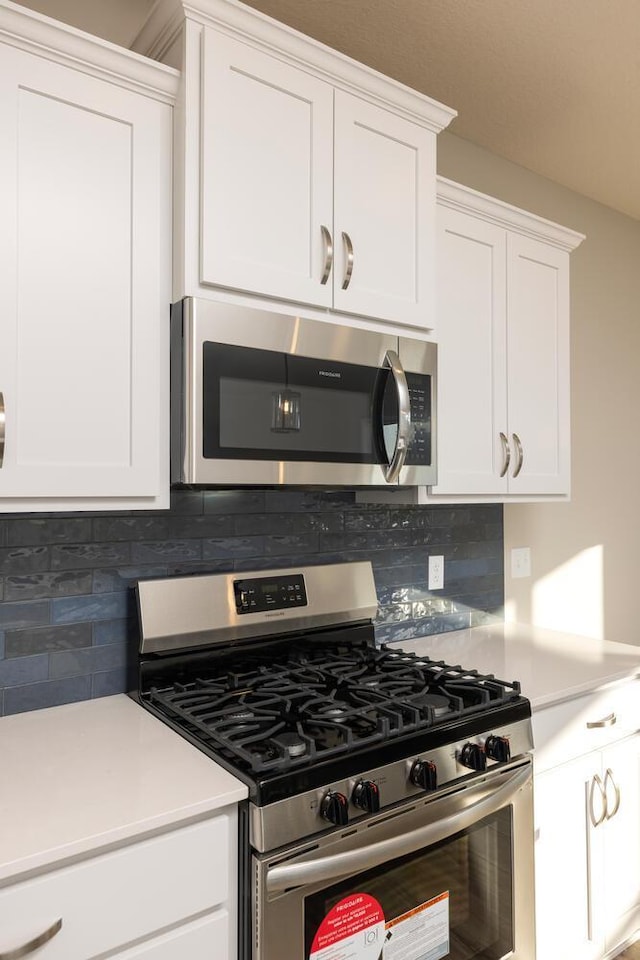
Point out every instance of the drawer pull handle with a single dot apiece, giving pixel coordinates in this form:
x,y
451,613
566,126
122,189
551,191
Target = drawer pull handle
x,y
38,941
591,725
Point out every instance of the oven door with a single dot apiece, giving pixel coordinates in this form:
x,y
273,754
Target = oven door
x,y
275,399
447,877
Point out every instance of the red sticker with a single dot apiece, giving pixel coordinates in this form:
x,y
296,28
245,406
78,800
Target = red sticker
x,y
353,930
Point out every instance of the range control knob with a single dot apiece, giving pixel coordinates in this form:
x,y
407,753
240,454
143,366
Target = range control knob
x,y
366,796
335,808
497,748
424,774
473,756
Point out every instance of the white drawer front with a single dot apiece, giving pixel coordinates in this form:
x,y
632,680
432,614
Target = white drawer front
x,y
116,898
560,732
207,939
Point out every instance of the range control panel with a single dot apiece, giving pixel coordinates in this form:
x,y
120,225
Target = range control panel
x,y
270,593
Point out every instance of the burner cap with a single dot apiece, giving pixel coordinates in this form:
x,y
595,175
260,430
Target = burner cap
x,y
293,745
439,705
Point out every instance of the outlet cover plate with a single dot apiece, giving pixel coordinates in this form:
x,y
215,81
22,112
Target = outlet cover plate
x,y
436,573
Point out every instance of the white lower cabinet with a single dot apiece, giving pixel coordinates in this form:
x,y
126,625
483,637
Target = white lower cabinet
x,y
169,896
85,260
587,822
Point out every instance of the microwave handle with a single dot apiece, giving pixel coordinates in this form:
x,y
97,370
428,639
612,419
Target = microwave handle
x,y
404,416
365,858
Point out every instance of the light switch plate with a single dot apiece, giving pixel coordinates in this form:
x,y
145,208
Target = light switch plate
x,y
520,562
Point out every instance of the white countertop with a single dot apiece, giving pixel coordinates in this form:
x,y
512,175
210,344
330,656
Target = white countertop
x,y
550,666
85,775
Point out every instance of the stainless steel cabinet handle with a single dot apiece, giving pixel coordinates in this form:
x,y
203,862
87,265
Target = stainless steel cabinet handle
x,y
506,453
372,855
608,777
520,454
349,248
328,253
607,721
404,417
32,945
2,427
597,782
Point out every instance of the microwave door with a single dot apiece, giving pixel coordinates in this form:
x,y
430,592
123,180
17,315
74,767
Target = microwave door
x,y
317,421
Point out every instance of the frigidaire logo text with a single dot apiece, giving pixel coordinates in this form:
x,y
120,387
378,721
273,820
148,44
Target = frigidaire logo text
x,y
330,373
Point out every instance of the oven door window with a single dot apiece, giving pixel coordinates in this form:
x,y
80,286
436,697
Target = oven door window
x,y
452,899
266,405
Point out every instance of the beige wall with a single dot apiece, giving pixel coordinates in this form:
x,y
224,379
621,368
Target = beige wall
x,y
586,553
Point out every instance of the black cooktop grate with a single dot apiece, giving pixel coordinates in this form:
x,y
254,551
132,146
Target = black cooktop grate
x,y
275,709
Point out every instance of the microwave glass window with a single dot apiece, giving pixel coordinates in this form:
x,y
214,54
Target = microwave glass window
x,y
471,872
262,404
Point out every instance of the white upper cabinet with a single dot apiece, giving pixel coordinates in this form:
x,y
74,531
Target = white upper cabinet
x,y
503,332
267,186
304,177
85,163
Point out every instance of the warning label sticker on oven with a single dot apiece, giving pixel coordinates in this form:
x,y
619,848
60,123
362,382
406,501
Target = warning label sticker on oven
x,y
352,930
421,933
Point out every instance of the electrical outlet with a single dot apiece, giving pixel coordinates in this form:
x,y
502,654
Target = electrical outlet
x,y
436,573
520,562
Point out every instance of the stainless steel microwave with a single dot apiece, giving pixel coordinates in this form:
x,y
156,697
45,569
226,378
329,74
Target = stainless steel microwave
x,y
266,399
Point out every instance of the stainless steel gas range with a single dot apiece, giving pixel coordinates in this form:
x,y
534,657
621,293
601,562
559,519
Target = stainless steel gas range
x,y
390,796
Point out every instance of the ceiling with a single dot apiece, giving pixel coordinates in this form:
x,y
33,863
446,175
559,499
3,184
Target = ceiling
x,y
552,86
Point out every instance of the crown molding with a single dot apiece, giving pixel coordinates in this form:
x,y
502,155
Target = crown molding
x,y
45,37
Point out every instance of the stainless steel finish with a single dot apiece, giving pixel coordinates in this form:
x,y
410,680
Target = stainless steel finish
x,y
404,416
296,817
349,260
328,253
228,323
33,945
354,861
607,721
506,454
2,428
279,917
519,454
183,612
597,782
608,778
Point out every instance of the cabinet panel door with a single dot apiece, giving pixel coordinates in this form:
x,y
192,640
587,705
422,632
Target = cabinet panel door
x,y
267,158
472,399
384,199
83,167
622,841
538,364
568,863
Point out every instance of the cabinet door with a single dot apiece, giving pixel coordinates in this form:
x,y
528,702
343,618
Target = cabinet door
x,y
267,158
472,400
85,200
384,202
621,841
538,365
568,863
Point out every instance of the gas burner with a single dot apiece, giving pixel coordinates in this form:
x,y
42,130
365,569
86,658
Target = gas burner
x,y
292,744
440,706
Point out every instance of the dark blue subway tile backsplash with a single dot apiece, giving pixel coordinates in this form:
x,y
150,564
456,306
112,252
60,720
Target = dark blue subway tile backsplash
x,y
67,611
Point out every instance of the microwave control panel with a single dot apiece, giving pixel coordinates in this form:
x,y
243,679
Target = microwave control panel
x,y
258,594
419,451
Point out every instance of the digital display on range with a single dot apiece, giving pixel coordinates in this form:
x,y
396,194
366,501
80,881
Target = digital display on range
x,y
257,594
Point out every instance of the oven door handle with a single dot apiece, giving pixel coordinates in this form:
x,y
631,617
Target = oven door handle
x,y
404,416
353,861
